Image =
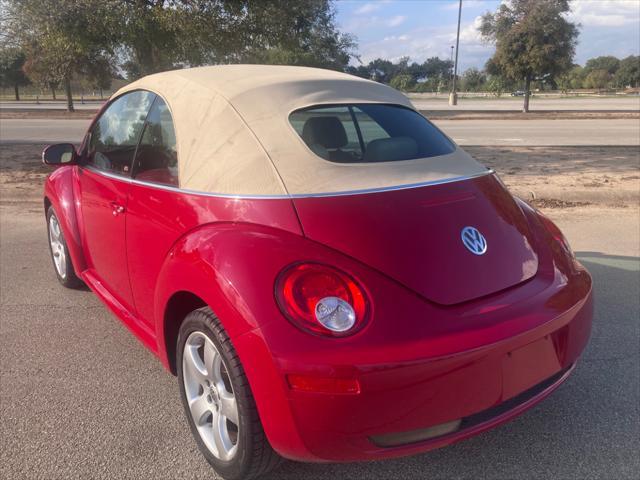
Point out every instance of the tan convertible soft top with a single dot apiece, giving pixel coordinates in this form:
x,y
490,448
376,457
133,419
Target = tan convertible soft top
x,y
234,137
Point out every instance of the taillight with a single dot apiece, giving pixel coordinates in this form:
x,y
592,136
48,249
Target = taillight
x,y
555,232
321,299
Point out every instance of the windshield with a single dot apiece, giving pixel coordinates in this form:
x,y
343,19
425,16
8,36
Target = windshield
x,y
362,133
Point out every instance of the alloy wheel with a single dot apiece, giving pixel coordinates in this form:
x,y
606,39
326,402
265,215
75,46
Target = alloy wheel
x,y
212,402
57,247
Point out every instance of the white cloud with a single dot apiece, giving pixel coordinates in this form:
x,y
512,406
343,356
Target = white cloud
x,y
605,13
454,5
424,42
367,8
471,33
396,38
397,20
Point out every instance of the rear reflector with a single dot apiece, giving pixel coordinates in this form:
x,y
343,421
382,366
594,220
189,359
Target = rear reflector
x,y
336,386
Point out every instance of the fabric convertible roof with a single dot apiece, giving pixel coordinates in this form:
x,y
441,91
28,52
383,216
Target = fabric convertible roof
x,y
234,136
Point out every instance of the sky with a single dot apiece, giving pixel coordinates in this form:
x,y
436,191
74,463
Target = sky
x,y
425,28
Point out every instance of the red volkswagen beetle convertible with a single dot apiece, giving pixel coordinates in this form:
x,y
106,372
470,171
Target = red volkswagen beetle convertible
x,y
330,277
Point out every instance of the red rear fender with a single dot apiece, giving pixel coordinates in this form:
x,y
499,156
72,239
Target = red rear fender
x,y
59,190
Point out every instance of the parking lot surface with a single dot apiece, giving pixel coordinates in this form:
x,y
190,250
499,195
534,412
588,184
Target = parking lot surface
x,y
82,398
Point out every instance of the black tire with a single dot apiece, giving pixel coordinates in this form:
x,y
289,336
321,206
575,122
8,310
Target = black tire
x,y
254,456
69,279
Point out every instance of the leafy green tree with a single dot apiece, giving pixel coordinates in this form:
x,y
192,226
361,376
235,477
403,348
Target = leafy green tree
x,y
39,73
361,71
402,82
428,75
304,29
571,79
162,34
628,75
608,63
64,41
382,70
497,85
12,69
597,79
473,80
435,67
533,39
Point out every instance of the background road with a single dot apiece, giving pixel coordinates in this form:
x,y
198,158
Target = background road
x,y
429,101
81,398
464,132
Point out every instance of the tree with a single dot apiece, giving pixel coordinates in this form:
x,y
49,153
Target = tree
x,y
628,75
571,79
162,34
403,82
473,80
303,32
597,79
11,69
608,63
533,39
65,41
435,67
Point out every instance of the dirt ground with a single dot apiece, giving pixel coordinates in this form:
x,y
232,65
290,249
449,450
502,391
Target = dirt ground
x,y
549,177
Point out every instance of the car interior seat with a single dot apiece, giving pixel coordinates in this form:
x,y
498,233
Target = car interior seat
x,y
326,137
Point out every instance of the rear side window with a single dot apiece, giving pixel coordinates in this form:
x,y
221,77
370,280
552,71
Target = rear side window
x,y
156,157
363,133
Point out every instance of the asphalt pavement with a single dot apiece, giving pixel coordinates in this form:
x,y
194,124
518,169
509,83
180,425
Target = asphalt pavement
x,y
81,398
464,132
427,101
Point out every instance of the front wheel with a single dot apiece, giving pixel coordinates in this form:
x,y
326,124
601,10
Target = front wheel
x,y
218,401
60,253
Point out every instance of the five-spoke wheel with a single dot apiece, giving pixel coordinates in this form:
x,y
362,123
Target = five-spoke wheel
x,y
212,403
218,401
60,253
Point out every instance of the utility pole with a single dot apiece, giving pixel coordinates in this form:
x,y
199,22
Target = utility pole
x,y
451,60
453,96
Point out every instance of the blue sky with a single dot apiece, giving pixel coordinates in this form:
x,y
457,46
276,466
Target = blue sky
x,y
425,28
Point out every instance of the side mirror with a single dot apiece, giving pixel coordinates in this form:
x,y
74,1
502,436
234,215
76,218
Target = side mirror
x,y
59,154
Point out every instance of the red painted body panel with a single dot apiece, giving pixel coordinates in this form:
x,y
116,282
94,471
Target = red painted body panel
x,y
60,191
413,235
449,334
104,231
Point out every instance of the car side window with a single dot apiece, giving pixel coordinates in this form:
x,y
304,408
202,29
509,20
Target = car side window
x,y
115,135
156,159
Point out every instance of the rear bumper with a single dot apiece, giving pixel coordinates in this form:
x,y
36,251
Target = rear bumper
x,y
406,407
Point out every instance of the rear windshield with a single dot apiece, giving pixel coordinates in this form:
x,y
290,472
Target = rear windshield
x,y
368,133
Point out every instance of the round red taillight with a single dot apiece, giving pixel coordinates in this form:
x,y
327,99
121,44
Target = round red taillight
x,y
321,299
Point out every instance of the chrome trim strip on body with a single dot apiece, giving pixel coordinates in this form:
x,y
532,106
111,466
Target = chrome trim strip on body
x,y
169,188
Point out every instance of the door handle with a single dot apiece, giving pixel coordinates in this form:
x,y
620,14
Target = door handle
x,y
117,209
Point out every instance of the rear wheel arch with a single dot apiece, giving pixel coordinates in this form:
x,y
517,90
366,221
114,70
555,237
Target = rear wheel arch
x,y
179,305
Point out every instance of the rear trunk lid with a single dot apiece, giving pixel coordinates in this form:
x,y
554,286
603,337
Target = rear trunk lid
x,y
414,236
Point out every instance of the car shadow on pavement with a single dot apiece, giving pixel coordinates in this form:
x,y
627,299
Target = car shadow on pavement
x,y
589,428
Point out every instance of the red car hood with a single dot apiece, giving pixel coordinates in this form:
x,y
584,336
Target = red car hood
x,y
414,236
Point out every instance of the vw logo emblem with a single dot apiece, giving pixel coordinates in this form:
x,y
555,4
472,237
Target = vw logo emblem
x,y
474,240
